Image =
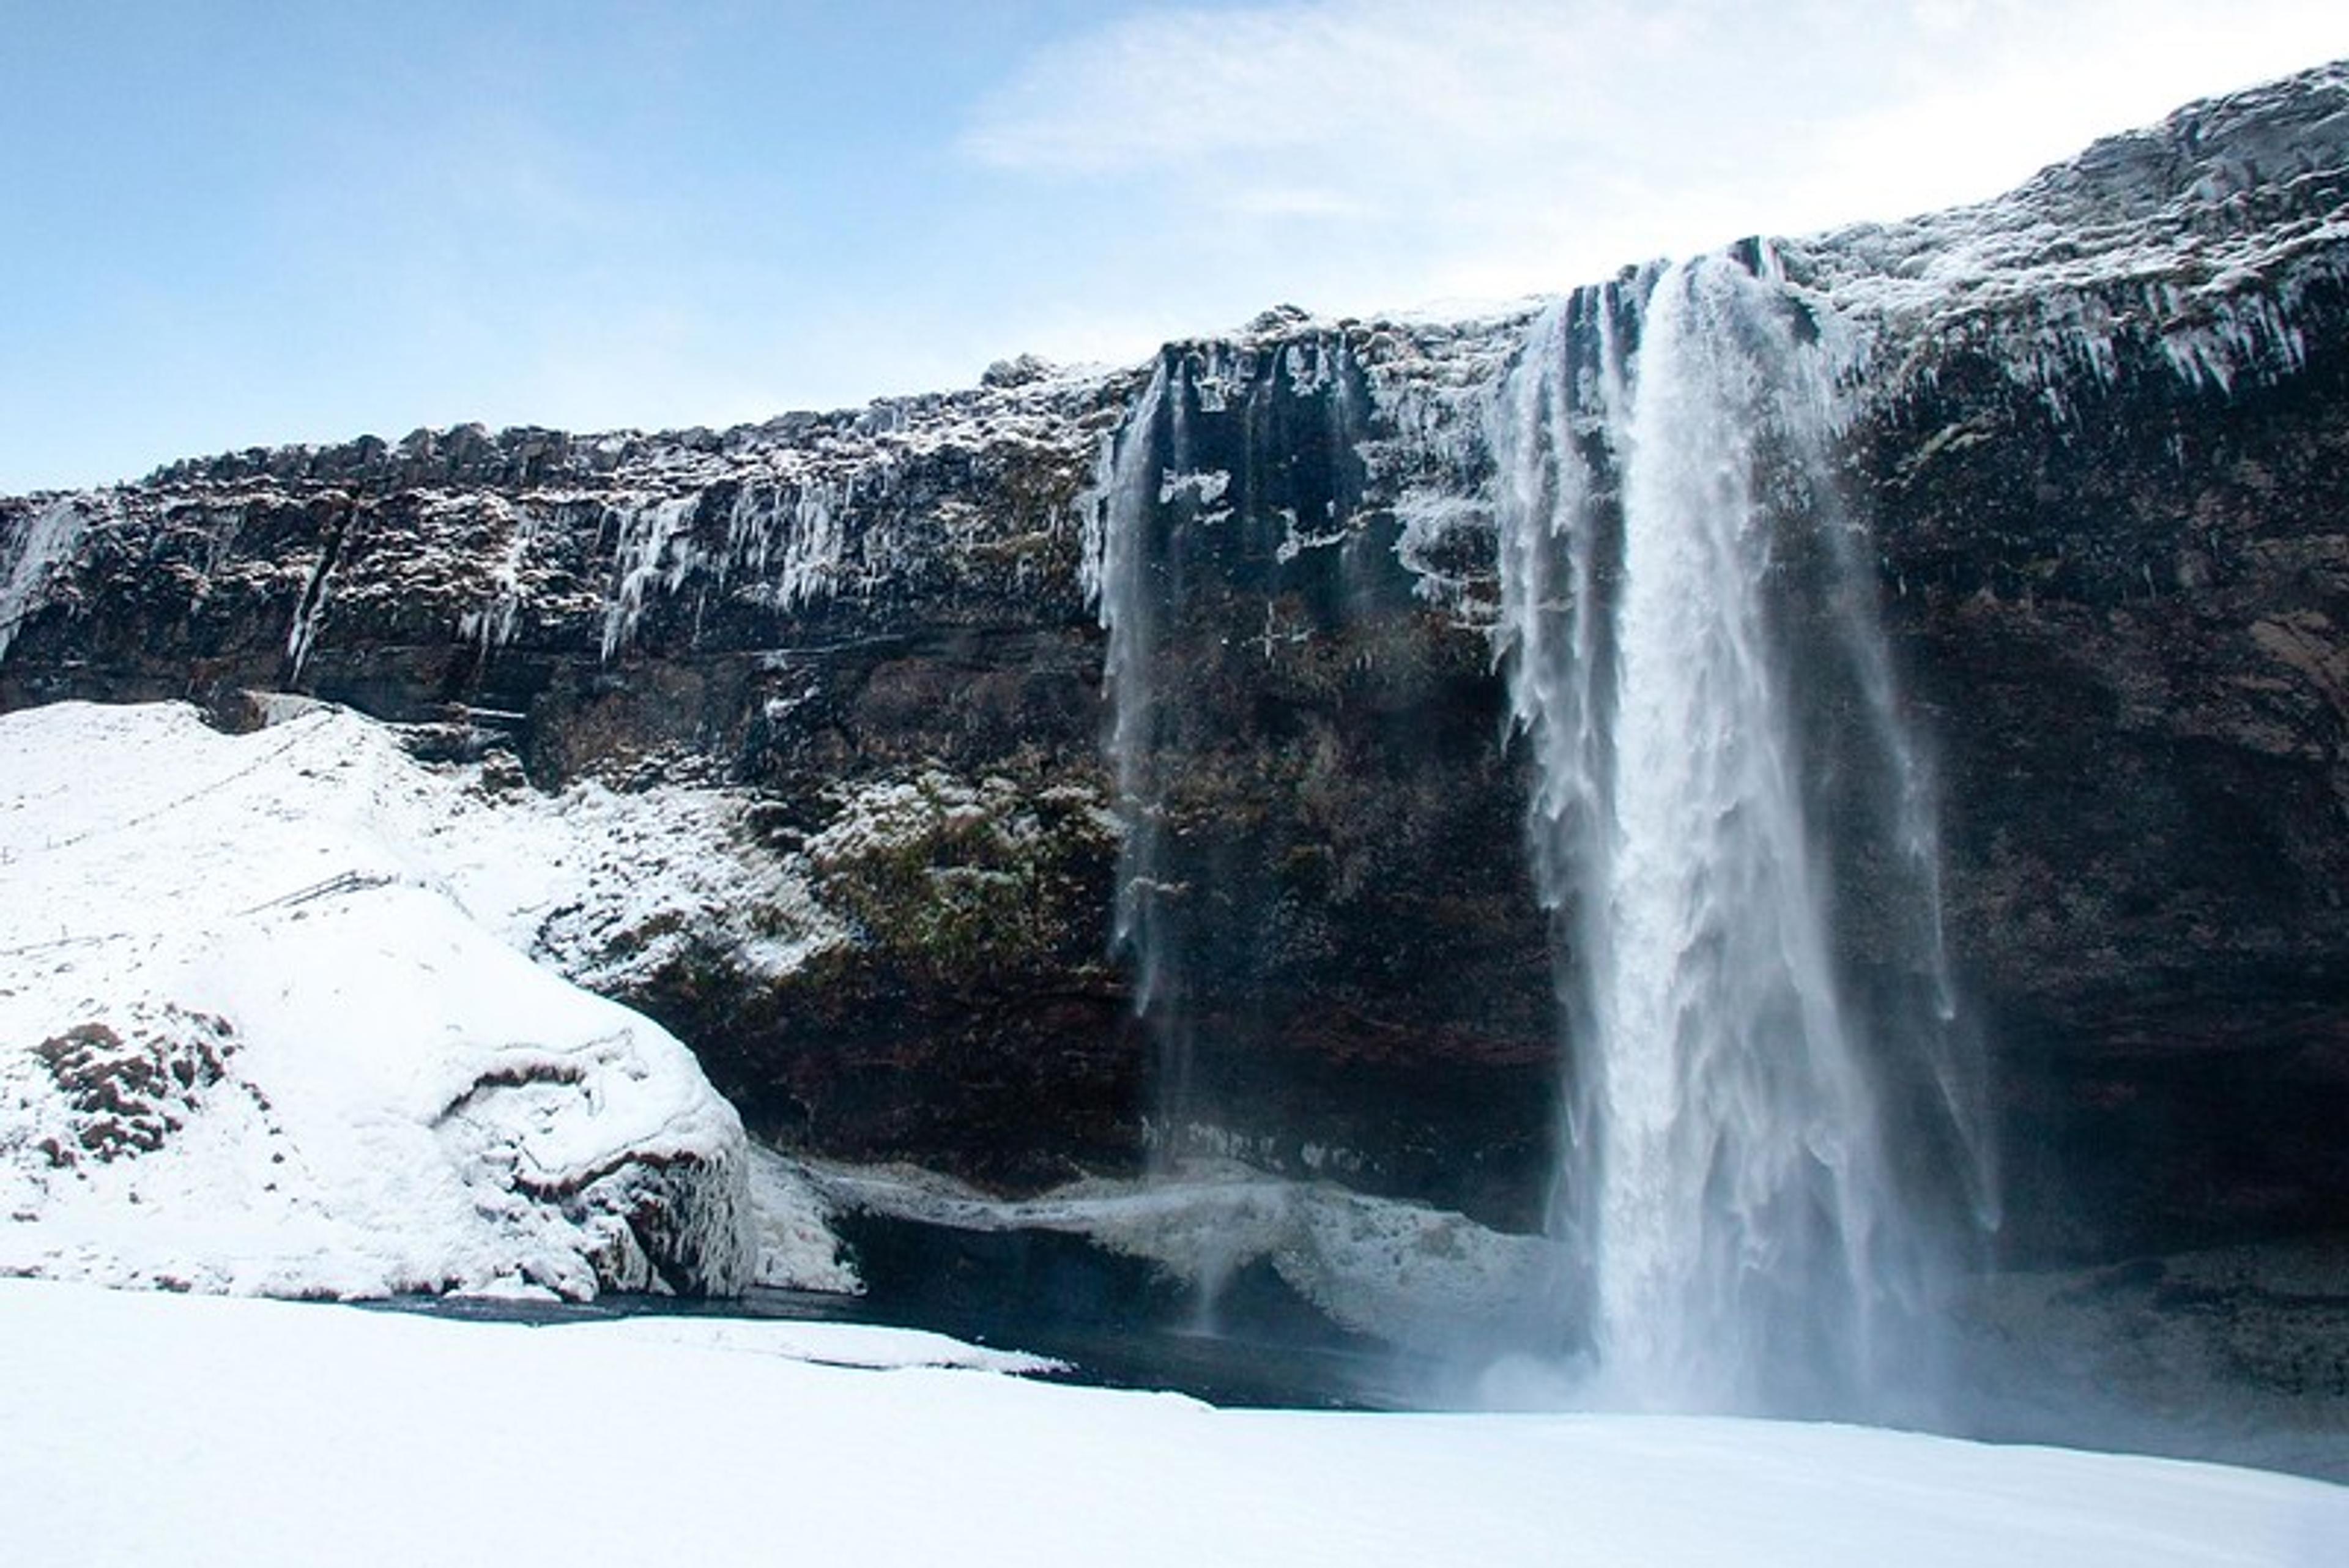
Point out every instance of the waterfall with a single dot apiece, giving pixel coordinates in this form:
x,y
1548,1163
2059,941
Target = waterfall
x,y
1682,603
1224,544
1131,613
1132,566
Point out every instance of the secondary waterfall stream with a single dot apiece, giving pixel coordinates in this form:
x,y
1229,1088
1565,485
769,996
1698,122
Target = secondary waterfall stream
x,y
1221,546
1743,1235
1134,558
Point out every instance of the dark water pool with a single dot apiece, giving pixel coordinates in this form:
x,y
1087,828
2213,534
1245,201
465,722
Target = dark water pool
x,y
1238,1367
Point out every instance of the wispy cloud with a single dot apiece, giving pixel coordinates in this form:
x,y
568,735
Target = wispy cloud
x,y
1171,88
1498,146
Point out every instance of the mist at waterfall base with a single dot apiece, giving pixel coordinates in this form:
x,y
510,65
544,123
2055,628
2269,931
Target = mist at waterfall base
x,y
1769,1161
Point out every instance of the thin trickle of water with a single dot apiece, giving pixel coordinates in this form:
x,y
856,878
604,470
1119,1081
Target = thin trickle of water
x,y
1220,527
1742,1239
1131,611
1135,591
644,561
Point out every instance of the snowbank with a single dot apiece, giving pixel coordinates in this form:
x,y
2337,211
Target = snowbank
x,y
144,1428
267,1024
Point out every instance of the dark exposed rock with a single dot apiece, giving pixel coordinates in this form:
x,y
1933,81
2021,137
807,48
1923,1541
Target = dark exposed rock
x,y
124,1097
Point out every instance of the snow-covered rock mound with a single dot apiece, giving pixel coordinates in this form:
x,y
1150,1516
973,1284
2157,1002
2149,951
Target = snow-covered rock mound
x,y
267,1023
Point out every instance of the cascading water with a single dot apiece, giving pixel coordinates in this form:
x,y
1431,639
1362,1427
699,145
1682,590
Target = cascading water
x,y
1744,1237
1132,565
1222,538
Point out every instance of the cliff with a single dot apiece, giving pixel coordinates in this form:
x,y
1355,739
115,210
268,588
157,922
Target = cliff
x,y
2092,434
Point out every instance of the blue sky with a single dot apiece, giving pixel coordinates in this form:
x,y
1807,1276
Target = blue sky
x,y
239,223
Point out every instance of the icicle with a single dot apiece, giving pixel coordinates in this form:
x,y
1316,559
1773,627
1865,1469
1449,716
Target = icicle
x,y
646,535
46,539
495,623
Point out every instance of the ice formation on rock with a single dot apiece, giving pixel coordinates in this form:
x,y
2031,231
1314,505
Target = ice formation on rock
x,y
45,539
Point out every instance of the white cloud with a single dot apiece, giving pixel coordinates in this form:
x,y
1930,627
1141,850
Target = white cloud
x,y
1373,152
1169,88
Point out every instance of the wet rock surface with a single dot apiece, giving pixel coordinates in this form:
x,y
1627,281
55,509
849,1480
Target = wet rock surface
x,y
2127,629
2239,1354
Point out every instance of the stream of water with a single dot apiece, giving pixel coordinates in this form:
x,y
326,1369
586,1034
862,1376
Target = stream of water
x,y
1745,1238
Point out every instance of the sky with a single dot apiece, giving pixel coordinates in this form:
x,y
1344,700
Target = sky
x,y
236,222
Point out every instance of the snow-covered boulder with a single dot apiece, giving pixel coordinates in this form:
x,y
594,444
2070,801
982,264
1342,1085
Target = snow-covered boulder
x,y
268,1024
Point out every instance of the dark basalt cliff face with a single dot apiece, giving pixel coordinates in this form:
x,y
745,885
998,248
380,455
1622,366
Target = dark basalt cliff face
x,y
2112,499
2130,630
2099,432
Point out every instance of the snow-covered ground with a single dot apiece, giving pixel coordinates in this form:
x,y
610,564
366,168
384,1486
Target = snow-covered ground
x,y
140,1428
270,1022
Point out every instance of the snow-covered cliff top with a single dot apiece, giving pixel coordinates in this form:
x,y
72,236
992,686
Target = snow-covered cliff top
x,y
2199,236
2228,197
2213,244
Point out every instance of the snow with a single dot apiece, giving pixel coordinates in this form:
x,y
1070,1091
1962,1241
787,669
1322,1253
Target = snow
x,y
148,1428
797,1250
610,887
270,1022
2192,243
873,1346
